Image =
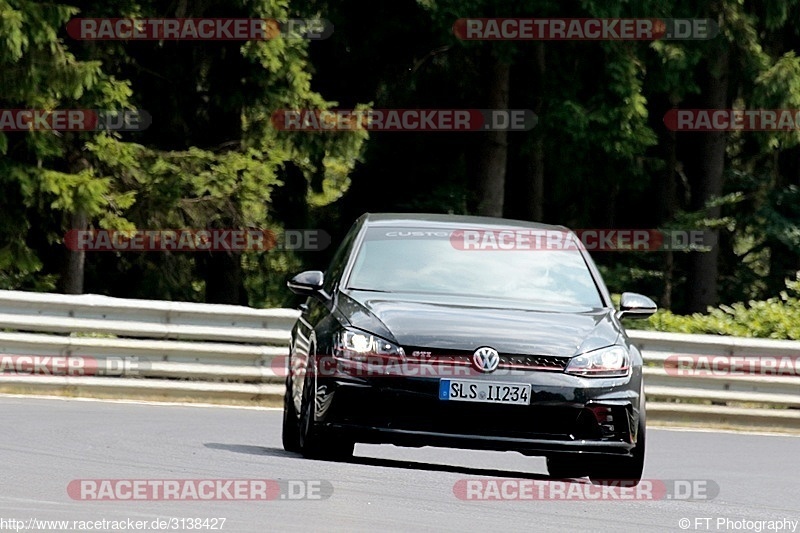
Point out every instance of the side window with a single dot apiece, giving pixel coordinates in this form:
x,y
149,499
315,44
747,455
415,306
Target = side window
x,y
334,271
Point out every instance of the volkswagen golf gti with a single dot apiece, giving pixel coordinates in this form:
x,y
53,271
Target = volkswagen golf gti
x,y
466,332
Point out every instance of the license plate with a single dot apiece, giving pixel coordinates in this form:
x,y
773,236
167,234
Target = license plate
x,y
485,392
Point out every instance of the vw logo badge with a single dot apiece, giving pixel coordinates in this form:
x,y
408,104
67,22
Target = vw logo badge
x,y
486,359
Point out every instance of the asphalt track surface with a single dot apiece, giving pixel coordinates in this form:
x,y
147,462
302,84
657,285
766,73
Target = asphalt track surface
x,y
48,443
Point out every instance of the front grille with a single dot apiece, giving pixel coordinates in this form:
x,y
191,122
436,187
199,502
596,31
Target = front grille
x,y
547,363
534,362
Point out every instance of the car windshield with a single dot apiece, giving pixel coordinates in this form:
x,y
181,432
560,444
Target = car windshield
x,y
407,262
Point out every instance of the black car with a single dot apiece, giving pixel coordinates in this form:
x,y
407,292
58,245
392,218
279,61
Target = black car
x,y
466,332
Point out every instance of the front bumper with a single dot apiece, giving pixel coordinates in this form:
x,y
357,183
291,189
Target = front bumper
x,y
567,414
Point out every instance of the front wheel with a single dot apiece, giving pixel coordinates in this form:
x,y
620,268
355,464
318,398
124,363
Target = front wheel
x,y
291,423
314,443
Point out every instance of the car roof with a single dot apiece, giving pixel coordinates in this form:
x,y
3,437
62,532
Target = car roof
x,y
438,220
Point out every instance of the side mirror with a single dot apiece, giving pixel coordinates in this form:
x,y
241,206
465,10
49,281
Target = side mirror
x,y
633,305
309,283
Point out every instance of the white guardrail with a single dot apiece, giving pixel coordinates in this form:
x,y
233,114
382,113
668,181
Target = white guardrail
x,y
147,348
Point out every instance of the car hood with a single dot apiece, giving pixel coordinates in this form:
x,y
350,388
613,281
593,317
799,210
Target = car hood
x,y
467,324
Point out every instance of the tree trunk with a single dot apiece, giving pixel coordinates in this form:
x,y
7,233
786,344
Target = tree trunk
x,y
494,155
704,266
669,205
71,281
783,261
534,180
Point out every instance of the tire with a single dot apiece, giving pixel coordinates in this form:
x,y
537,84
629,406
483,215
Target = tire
x,y
624,469
291,423
314,443
565,467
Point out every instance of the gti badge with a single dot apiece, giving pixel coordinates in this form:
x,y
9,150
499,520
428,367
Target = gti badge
x,y
486,359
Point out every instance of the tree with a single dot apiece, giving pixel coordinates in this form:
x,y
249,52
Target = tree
x,y
210,159
48,183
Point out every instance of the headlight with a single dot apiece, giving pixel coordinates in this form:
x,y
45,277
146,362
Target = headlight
x,y
359,346
612,361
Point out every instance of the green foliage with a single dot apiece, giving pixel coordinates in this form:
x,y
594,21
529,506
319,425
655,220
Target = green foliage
x,y
774,318
121,184
213,159
41,174
266,277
